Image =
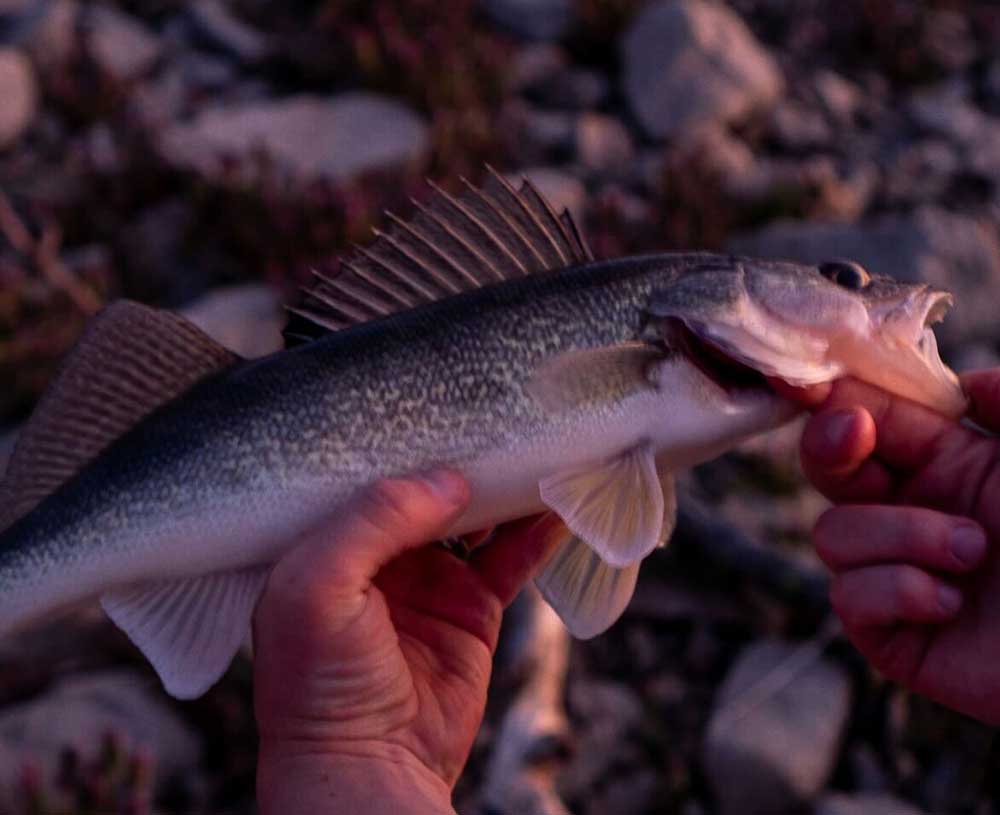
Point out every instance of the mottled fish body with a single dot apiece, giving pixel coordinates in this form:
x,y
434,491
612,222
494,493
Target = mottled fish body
x,y
166,476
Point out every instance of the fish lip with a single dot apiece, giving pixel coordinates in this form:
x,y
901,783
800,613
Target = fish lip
x,y
733,376
936,303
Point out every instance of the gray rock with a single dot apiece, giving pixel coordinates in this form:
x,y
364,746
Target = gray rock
x,y
770,749
839,97
19,92
920,172
543,134
532,19
47,30
799,127
77,711
603,143
561,189
945,249
841,804
693,61
945,110
246,319
123,46
215,22
309,136
535,64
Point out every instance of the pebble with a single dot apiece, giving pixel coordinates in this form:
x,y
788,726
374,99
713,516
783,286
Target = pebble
x,y
532,19
309,136
688,62
603,143
19,92
771,751
123,46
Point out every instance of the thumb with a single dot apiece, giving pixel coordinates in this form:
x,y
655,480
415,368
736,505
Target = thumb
x,y
983,390
338,559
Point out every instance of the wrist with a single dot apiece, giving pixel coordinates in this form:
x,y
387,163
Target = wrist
x,y
388,780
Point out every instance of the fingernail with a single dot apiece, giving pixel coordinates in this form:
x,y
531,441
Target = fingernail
x,y
949,598
837,427
968,543
448,484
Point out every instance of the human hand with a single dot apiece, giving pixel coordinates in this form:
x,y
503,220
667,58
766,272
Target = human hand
x,y
373,652
913,544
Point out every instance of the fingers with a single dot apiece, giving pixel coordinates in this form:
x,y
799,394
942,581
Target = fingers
x,y
983,390
907,432
516,552
341,557
883,596
856,537
835,451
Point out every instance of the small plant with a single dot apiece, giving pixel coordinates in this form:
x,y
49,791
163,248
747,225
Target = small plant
x,y
116,782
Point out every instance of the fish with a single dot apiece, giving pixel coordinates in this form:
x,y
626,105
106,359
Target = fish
x,y
163,475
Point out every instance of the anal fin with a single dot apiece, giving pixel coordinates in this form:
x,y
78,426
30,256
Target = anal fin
x,y
586,593
189,629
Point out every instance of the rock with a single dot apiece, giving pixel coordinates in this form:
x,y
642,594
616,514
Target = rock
x,y
768,752
532,19
543,134
19,93
534,65
123,47
945,249
603,143
246,319
77,712
945,110
215,22
47,31
562,190
921,172
800,128
841,804
839,97
308,136
688,62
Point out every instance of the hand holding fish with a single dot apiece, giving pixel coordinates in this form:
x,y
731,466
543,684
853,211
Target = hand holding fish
x,y
913,544
373,651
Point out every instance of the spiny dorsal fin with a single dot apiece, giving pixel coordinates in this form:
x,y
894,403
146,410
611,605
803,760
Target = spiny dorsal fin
x,y
130,360
454,243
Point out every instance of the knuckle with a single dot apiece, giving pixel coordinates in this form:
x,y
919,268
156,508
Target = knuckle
x,y
911,588
390,505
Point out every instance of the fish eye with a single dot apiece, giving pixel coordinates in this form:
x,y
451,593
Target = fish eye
x,y
845,273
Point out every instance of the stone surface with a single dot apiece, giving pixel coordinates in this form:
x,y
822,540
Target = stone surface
x,y
213,20
603,143
335,137
693,61
532,19
945,249
19,95
246,319
77,712
842,804
770,746
123,46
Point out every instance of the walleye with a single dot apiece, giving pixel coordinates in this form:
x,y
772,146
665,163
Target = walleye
x,y
163,475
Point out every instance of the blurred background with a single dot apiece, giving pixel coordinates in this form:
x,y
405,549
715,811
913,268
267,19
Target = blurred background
x,y
205,156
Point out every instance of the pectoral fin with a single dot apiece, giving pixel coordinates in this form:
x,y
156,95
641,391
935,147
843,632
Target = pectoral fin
x,y
586,593
189,629
616,508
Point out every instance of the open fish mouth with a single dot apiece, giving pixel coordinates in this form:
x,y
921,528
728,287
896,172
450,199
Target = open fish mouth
x,y
731,374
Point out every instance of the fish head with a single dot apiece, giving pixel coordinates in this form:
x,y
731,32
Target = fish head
x,y
807,324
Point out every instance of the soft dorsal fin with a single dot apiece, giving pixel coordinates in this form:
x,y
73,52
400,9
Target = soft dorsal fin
x,y
130,360
454,243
